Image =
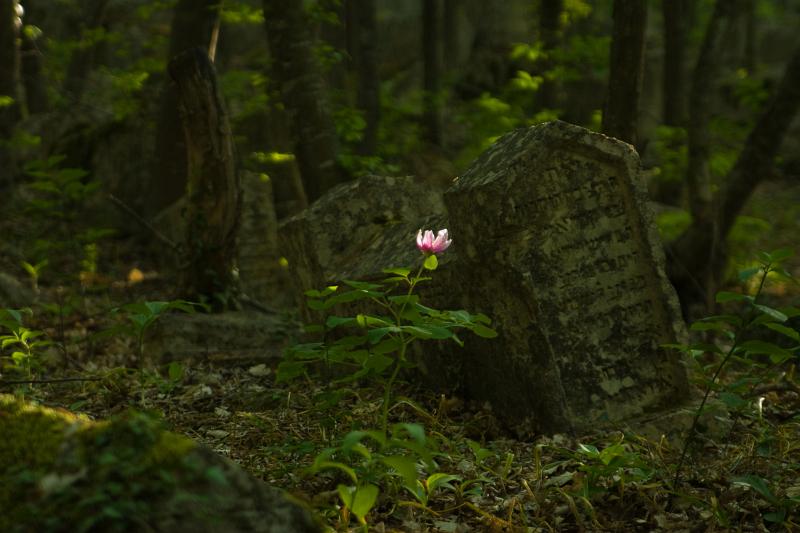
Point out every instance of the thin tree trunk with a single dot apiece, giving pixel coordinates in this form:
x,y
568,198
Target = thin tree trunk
x,y
296,71
450,15
698,178
676,31
550,35
214,189
31,62
699,251
9,86
368,83
193,24
85,56
431,56
750,36
761,146
621,114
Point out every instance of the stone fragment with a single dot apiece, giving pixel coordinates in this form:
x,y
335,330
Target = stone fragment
x,y
232,337
358,227
63,472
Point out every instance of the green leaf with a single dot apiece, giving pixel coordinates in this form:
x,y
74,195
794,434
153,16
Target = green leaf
x,y
388,345
415,431
375,335
289,370
346,494
334,465
780,255
334,321
748,273
759,485
439,479
789,332
405,466
774,313
725,296
363,500
776,353
378,363
175,371
733,401
482,331
431,262
362,285
404,299
350,296
404,272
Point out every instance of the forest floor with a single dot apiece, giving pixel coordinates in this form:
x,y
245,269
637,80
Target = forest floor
x,y
742,474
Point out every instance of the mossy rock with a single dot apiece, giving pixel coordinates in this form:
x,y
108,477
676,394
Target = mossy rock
x,y
62,472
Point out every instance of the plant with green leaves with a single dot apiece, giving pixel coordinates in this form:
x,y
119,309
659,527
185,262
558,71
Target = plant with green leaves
x,y
140,316
374,345
614,463
380,342
371,458
739,343
21,344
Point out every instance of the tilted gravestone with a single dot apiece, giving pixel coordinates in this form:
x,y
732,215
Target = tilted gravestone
x,y
553,240
557,245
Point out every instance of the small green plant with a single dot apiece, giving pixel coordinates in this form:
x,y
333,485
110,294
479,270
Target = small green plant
x,y
738,333
370,458
34,271
374,346
141,315
615,464
20,343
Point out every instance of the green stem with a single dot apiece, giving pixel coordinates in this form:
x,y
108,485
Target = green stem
x,y
728,355
388,390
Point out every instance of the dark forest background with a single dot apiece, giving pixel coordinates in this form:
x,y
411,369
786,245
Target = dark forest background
x,y
320,92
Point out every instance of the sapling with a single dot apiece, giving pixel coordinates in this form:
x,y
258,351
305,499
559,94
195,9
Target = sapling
x,y
736,328
375,345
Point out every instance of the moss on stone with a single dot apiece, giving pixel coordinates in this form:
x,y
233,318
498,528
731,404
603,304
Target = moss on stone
x,y
60,468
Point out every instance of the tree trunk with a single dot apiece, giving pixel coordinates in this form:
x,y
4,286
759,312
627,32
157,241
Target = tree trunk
x,y
85,56
193,24
31,61
9,86
450,29
550,35
621,114
432,84
367,65
700,251
297,73
676,31
214,189
698,177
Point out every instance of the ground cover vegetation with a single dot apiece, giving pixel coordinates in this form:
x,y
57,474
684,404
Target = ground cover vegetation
x,y
318,93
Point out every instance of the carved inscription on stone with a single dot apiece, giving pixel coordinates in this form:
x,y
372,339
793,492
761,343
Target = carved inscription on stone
x,y
561,209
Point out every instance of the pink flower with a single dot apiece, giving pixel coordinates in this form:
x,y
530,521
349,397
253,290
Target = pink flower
x,y
428,245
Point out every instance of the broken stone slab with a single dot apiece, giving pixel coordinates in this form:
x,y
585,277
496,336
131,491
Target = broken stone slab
x,y
553,239
63,472
329,239
232,337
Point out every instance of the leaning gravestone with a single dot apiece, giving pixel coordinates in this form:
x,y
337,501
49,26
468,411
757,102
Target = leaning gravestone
x,y
558,247
553,240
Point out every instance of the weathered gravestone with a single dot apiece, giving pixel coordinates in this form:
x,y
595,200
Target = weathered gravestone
x,y
552,239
